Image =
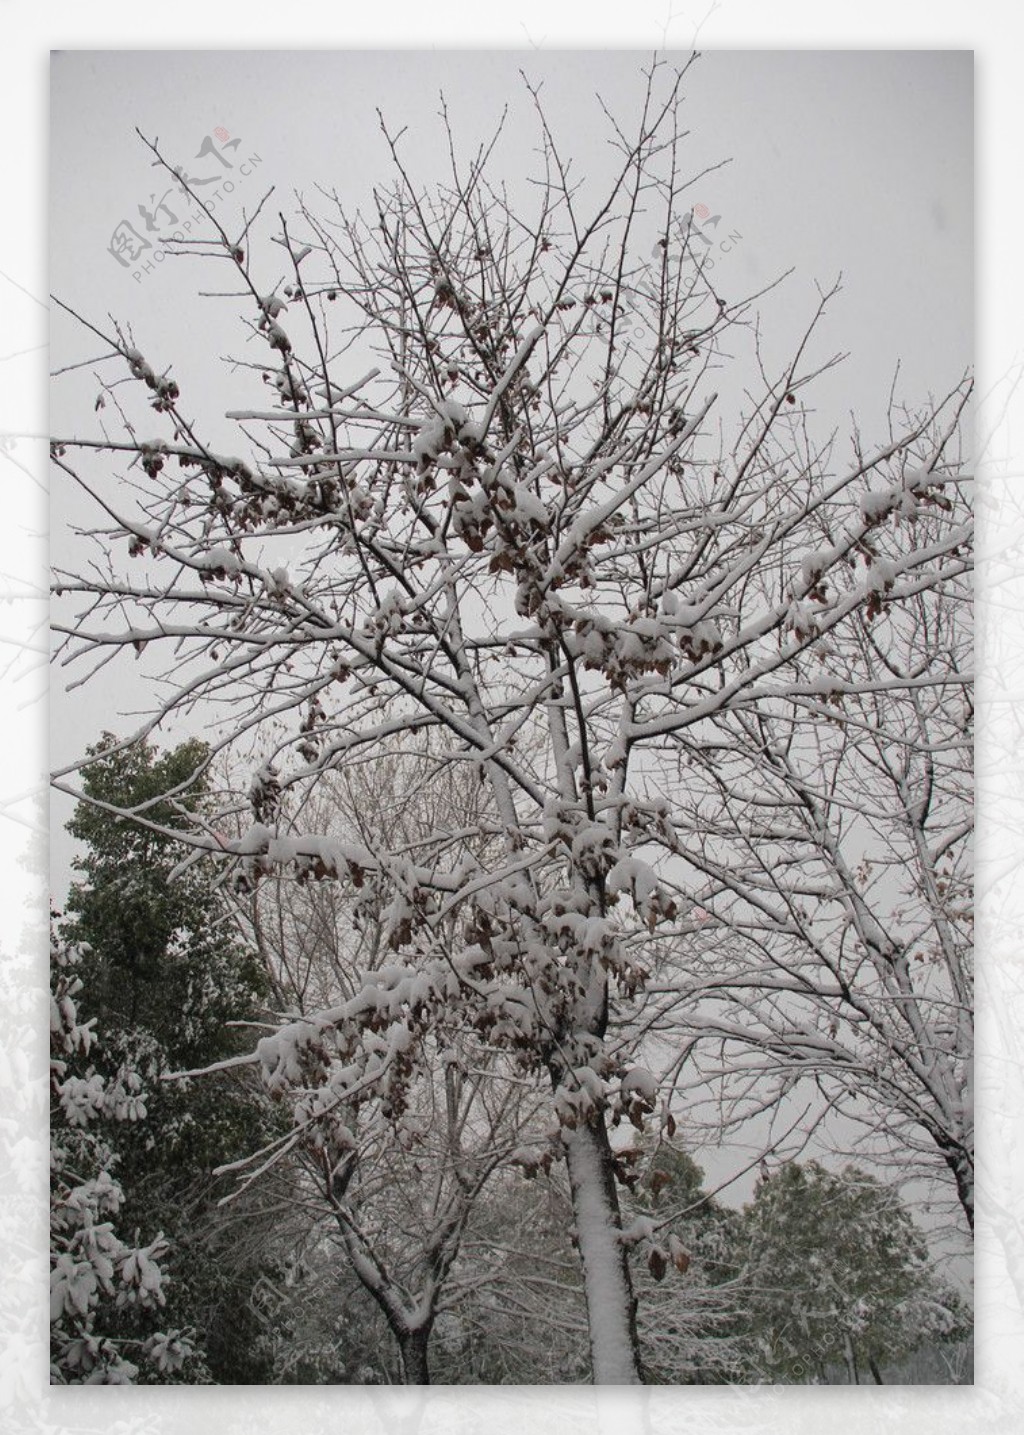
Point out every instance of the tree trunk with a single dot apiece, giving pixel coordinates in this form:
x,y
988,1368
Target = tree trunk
x,y
962,1167
611,1305
412,1345
876,1374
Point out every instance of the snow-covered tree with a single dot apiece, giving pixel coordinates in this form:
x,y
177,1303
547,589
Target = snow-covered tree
x,y
106,1291
165,976
827,841
418,1158
521,1318
838,1275
483,495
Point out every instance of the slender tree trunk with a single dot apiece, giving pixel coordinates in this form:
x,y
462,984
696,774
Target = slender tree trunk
x,y
876,1374
412,1340
412,1345
851,1361
611,1305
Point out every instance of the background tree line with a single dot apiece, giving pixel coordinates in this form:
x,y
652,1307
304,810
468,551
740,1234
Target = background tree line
x,y
823,1276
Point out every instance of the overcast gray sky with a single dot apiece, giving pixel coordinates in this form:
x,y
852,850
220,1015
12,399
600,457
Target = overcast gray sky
x,y
851,161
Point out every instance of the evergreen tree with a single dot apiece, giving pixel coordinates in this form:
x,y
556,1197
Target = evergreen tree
x,y
106,1293
839,1276
166,975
